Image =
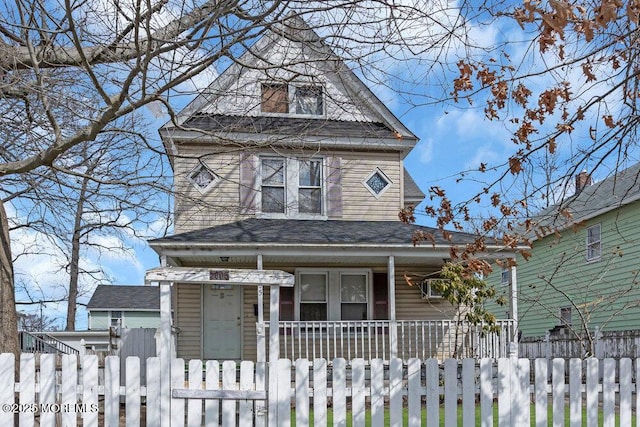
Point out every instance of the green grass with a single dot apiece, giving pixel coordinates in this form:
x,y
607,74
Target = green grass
x,y
423,416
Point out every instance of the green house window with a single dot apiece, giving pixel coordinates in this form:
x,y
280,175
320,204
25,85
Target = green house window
x,y
594,243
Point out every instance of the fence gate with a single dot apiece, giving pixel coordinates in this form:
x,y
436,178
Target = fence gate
x,y
227,401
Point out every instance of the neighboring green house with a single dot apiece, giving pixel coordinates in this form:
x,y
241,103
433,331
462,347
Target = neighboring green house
x,y
124,306
585,262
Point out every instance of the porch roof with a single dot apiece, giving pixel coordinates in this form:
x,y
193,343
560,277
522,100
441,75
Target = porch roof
x,y
312,242
313,232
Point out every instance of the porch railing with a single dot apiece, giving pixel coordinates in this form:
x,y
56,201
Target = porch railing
x,y
40,342
372,339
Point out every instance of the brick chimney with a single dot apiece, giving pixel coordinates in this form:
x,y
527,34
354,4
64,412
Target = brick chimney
x,y
583,179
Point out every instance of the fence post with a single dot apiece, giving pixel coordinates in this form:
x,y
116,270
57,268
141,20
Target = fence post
x,y
547,345
164,353
598,344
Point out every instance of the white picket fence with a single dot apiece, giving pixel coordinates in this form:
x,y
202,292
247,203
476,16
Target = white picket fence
x,y
212,393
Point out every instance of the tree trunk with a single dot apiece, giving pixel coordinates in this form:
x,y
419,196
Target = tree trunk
x,y
8,314
74,267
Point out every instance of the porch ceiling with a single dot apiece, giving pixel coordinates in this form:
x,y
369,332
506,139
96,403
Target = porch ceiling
x,y
327,260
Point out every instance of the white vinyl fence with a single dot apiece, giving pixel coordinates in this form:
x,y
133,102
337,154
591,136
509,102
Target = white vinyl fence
x,y
211,393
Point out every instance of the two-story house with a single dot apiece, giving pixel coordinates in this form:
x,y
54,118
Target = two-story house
x,y
288,161
584,271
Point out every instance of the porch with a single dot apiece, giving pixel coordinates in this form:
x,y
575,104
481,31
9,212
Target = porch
x,y
389,339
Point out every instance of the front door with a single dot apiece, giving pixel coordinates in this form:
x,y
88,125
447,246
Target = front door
x,y
221,324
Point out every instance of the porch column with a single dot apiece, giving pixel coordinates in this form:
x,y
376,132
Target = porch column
x,y
261,368
274,354
393,326
164,353
513,345
261,344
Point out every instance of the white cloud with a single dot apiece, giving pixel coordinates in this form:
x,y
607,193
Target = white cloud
x,y
424,150
486,154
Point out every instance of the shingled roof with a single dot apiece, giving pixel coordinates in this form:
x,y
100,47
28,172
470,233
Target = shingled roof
x,y
593,200
411,190
119,297
312,232
289,126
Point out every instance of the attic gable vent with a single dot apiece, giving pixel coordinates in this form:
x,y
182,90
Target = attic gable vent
x,y
377,183
202,178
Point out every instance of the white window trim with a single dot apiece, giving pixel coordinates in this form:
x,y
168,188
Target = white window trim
x,y
290,93
507,272
590,244
111,318
292,171
298,292
213,183
384,190
334,299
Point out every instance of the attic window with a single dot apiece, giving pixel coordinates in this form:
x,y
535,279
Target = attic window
x,y
303,100
275,98
202,178
377,183
308,100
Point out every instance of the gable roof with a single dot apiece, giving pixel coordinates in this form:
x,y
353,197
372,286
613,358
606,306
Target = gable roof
x,y
119,297
194,116
593,200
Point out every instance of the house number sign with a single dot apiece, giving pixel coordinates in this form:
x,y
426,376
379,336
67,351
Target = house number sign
x,y
219,275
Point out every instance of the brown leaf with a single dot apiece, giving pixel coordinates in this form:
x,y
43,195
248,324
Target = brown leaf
x,y
515,165
608,120
587,69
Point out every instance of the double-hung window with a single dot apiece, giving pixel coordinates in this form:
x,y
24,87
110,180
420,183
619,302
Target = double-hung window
x,y
505,277
354,296
291,187
594,243
115,318
334,294
310,186
273,174
313,296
